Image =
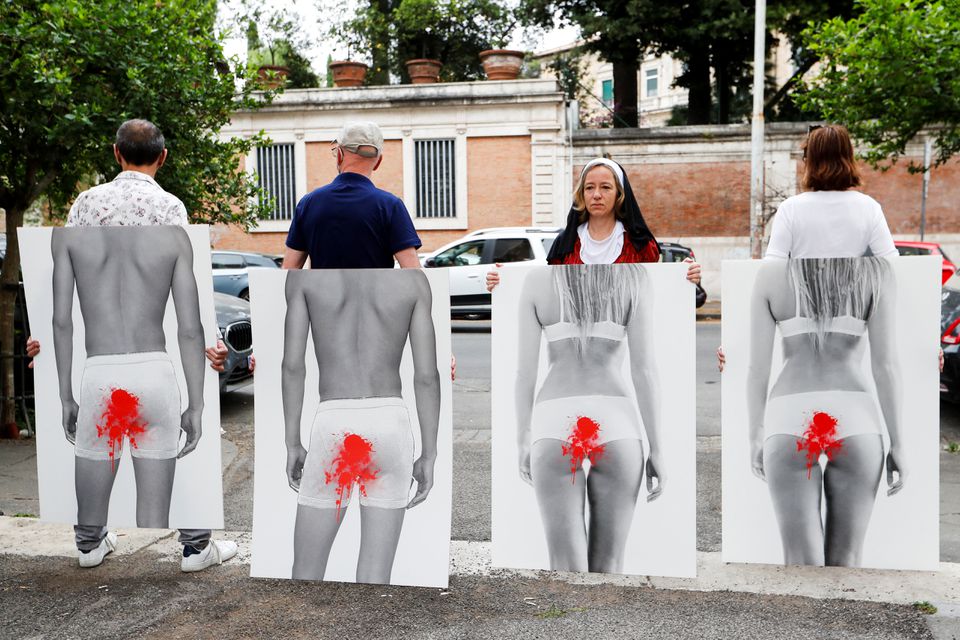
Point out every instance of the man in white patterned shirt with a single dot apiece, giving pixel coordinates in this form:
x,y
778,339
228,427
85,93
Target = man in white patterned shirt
x,y
135,198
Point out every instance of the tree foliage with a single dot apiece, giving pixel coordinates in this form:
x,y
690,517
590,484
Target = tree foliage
x,y
275,37
713,39
390,32
610,28
890,73
72,70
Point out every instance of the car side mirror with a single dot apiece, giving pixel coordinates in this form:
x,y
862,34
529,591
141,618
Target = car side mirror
x,y
430,262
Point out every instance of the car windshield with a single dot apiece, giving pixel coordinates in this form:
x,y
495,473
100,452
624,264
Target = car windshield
x,y
914,251
227,261
465,254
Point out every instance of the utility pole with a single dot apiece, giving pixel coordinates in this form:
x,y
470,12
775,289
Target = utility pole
x,y
756,133
927,157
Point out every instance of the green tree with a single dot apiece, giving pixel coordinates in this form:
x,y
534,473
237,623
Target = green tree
x,y
713,39
275,38
889,73
71,71
390,32
610,28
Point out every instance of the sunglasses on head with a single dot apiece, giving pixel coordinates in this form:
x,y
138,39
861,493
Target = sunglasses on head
x,y
810,129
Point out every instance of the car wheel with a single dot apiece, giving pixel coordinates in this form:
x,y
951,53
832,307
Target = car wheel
x,y
245,295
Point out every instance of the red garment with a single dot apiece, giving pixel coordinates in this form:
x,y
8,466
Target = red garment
x,y
629,254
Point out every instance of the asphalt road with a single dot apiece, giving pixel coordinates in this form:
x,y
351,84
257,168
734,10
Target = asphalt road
x,y
471,455
144,595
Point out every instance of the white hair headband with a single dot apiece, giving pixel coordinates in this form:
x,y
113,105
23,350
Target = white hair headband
x,y
613,166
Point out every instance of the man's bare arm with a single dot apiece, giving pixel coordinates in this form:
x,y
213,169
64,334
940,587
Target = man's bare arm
x,y
407,258
293,259
293,373
63,284
426,385
186,303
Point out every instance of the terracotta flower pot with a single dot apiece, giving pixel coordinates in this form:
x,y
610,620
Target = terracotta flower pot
x,y
271,76
423,70
501,64
347,73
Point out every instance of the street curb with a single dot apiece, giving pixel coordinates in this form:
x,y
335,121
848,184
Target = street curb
x,y
30,537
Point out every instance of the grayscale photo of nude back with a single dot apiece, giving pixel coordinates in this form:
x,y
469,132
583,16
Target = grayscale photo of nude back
x,y
356,384
127,341
590,431
832,433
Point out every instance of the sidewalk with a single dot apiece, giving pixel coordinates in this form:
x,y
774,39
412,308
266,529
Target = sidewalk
x,y
140,591
709,311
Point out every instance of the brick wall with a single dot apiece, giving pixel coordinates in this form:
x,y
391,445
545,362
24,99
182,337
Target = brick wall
x,y
321,169
695,181
899,193
498,188
703,199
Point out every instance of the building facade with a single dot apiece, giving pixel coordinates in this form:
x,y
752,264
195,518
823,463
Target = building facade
x,y
462,156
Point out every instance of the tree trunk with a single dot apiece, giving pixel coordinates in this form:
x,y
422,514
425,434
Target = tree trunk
x,y
625,92
9,286
698,99
380,69
724,94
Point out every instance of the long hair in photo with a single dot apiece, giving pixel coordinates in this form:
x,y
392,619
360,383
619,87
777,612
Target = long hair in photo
x,y
832,287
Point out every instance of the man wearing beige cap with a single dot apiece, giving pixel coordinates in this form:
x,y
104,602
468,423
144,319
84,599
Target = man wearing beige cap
x,y
350,223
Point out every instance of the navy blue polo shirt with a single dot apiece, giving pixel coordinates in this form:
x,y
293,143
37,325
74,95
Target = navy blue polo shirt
x,y
351,224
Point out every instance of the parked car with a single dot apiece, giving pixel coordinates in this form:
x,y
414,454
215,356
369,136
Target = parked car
x,y
471,257
233,318
950,339
230,270
907,248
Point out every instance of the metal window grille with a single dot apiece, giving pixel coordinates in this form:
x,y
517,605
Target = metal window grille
x,y
277,177
436,178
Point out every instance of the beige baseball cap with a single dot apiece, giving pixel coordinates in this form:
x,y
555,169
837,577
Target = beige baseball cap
x,y
362,138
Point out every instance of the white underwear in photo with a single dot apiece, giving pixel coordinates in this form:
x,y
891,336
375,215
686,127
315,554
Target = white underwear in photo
x,y
367,442
131,397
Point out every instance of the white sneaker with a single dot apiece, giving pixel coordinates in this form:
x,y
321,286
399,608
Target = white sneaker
x,y
216,552
95,557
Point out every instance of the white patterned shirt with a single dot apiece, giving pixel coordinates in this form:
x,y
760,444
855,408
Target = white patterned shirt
x,y
132,198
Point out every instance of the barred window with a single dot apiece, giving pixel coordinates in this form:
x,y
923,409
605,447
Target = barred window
x,y
276,175
436,178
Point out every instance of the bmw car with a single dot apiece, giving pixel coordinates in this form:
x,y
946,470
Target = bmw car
x,y
233,318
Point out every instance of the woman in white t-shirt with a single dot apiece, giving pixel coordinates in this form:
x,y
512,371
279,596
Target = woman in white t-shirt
x,y
826,311
829,219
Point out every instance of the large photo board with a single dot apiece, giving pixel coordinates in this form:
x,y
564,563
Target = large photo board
x,y
128,412
830,412
594,444
353,478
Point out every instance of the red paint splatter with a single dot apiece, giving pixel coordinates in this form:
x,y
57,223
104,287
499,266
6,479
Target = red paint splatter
x,y
120,418
582,444
352,464
819,438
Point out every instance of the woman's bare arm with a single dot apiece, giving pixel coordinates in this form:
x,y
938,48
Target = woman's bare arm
x,y
646,384
762,331
528,360
884,363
